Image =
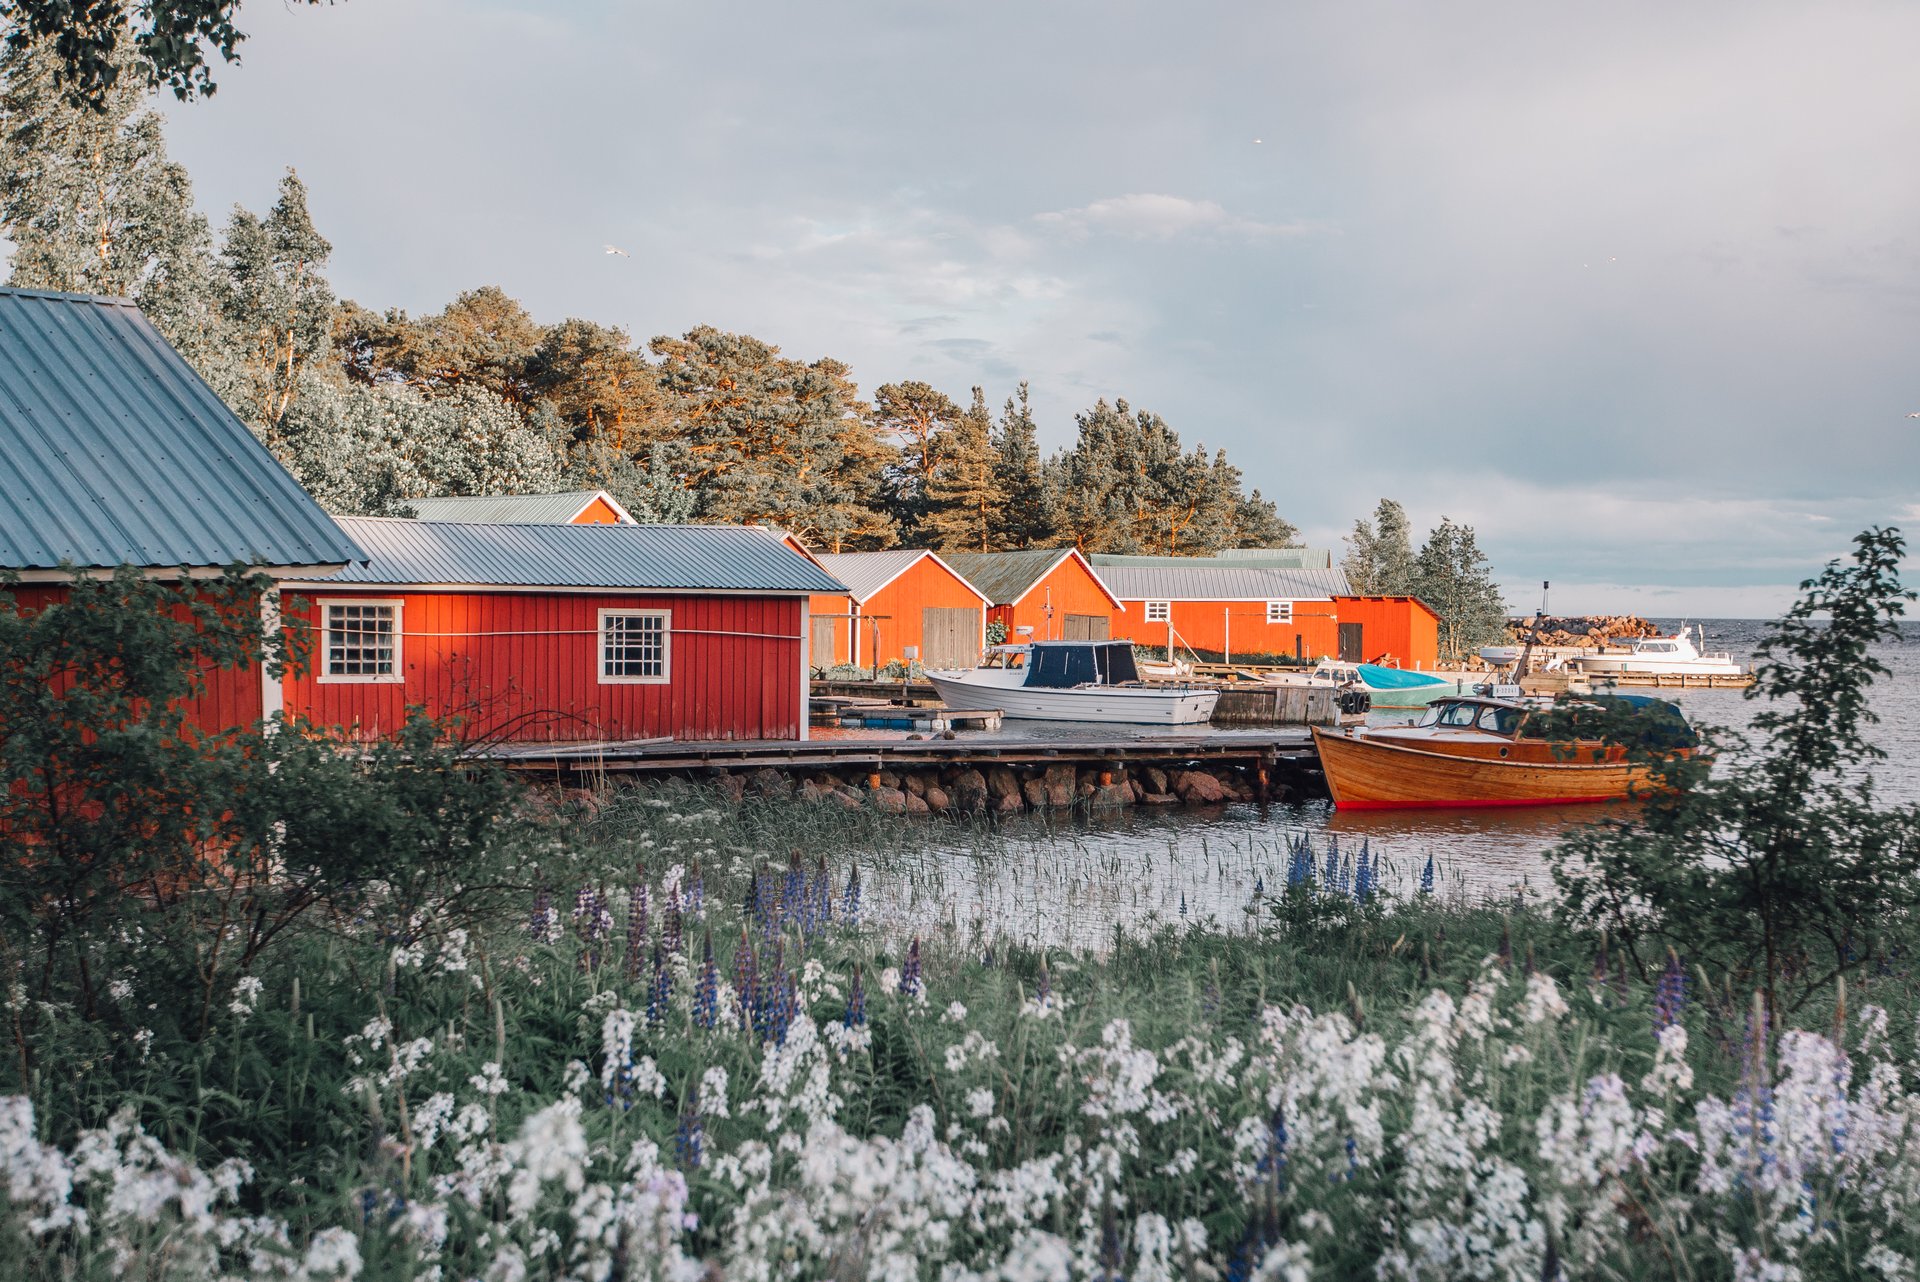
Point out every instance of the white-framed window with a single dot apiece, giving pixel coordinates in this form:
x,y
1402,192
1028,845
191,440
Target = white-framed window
x,y
1279,612
1159,611
360,640
635,646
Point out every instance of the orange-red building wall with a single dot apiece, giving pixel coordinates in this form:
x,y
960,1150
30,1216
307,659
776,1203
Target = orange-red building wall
x,y
925,583
526,665
1396,629
835,610
1233,628
1069,589
597,513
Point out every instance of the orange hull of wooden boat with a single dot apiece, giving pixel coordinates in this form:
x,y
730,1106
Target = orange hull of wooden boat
x,y
1365,773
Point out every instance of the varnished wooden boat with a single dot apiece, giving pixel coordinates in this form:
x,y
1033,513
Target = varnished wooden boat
x,y
1484,759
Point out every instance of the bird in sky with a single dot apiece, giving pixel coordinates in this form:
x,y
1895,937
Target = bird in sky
x,y
613,250
1915,414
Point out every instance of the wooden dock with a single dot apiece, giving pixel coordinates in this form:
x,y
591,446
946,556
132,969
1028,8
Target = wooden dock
x,y
1282,748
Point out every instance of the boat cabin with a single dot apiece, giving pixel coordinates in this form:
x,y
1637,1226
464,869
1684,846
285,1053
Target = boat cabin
x,y
1061,665
1660,724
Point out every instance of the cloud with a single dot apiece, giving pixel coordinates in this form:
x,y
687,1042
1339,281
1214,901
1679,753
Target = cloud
x,y
1151,216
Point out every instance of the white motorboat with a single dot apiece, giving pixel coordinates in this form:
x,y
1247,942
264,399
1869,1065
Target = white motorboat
x,y
1071,681
1674,656
1328,674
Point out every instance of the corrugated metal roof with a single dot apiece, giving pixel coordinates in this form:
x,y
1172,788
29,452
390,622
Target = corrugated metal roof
x,y
668,558
865,573
1205,579
516,509
113,451
1005,577
1280,558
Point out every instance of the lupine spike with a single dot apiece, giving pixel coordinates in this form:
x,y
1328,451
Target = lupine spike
x,y
697,892
662,991
745,978
910,973
856,1016
688,1136
672,926
851,904
706,996
1426,877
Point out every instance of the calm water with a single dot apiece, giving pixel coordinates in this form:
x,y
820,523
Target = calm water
x,y
1072,881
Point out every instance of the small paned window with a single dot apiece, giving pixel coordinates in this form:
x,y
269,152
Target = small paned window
x,y
362,641
1159,611
1279,612
634,645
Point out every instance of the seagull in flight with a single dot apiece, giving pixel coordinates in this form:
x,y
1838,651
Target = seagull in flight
x,y
1915,414
614,250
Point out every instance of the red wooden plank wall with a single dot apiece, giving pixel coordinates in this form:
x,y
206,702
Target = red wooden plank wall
x,y
526,665
1070,589
233,697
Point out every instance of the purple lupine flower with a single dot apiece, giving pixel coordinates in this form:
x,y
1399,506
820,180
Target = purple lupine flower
x,y
696,892
1300,863
672,926
823,896
1363,875
688,1135
636,950
706,991
1669,994
793,891
1330,871
1426,876
540,921
661,993
856,1016
850,904
1183,903
910,973
772,988
746,977
639,903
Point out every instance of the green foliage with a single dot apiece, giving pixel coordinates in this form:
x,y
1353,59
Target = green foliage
x,y
1127,485
1028,514
276,298
103,47
963,498
1379,559
1455,579
1779,867
139,842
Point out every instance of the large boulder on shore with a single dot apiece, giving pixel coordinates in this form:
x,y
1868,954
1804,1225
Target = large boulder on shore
x,y
1059,782
890,801
970,789
937,798
1198,786
1035,791
1002,782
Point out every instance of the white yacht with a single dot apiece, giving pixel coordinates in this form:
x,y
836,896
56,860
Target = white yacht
x,y
1071,681
1673,656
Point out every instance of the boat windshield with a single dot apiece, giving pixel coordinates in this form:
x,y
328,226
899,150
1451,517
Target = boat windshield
x,y
1457,714
1501,721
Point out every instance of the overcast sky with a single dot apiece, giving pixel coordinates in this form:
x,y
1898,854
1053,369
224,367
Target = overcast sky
x,y
1634,289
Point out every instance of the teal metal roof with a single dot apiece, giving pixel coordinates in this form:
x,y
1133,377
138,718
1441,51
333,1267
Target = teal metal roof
x,y
114,452
517,509
666,558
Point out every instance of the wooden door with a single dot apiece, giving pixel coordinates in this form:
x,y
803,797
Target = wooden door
x,y
949,638
1089,627
820,647
1351,649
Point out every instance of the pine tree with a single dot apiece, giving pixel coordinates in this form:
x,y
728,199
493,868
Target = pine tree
x,y
1380,560
93,205
277,300
1455,579
914,416
483,338
963,494
599,384
1028,514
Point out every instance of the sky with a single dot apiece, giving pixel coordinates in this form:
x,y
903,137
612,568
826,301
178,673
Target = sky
x,y
1633,289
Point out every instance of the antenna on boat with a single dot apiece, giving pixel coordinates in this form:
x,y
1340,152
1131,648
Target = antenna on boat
x,y
1533,633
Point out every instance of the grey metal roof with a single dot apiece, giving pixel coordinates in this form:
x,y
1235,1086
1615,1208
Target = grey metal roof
x,y
113,451
667,558
865,573
1005,577
1204,579
519,509
1279,558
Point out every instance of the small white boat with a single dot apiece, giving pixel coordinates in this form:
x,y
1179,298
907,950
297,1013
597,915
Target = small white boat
x,y
1672,656
1328,674
1071,681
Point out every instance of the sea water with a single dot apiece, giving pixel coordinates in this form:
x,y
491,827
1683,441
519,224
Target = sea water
x,y
1071,881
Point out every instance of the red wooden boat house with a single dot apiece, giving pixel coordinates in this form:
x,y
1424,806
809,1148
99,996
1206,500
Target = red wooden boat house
x,y
561,632
1055,593
893,601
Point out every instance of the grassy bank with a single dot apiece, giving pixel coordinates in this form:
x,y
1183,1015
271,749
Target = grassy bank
x,y
1336,1084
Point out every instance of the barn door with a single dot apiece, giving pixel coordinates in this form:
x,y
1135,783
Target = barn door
x,y
1089,627
1351,650
949,638
820,645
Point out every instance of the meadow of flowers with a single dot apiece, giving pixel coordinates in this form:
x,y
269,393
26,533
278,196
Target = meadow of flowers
x,y
692,1051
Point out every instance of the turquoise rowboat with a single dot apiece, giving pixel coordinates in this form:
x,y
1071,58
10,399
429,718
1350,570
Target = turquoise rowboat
x,y
1397,688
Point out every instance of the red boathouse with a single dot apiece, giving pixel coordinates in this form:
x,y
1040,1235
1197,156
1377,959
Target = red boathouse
x,y
561,632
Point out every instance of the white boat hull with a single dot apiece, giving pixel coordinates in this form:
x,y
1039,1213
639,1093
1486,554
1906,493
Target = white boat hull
x,y
1128,705
1603,665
